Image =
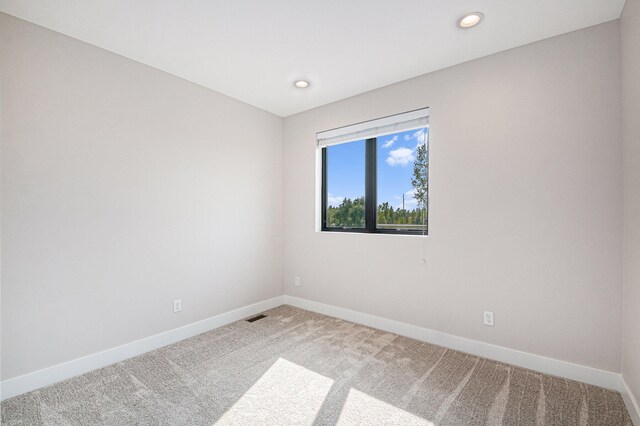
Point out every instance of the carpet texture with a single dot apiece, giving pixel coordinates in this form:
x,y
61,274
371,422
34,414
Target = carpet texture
x,y
299,367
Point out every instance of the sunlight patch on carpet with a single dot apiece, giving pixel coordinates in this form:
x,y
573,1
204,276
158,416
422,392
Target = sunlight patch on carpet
x,y
362,409
287,393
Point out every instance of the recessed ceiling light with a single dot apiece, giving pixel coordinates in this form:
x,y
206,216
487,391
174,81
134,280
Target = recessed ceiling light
x,y
301,84
470,20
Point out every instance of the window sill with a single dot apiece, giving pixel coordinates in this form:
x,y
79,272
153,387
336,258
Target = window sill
x,y
357,232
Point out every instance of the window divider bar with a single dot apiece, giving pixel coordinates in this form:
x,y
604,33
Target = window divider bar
x,y
371,182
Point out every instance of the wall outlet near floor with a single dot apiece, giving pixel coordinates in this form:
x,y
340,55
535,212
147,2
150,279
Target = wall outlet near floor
x,y
177,306
296,281
488,318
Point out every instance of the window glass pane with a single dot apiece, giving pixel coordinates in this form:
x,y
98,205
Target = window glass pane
x,y
403,165
346,185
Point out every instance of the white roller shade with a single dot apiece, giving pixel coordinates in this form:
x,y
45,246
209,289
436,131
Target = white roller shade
x,y
379,127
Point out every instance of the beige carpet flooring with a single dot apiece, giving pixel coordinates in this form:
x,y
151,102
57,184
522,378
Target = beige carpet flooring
x,y
299,367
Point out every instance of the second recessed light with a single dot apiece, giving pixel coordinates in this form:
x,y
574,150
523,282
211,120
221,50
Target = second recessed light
x,y
470,20
301,84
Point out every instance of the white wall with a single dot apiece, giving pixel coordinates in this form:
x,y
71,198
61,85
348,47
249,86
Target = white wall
x,y
526,204
630,49
124,188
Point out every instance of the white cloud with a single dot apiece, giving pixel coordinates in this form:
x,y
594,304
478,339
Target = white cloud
x,y
400,156
390,142
409,201
334,201
420,136
409,204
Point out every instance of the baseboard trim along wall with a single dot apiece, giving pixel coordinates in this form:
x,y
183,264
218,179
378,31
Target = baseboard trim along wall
x,y
594,376
632,403
47,376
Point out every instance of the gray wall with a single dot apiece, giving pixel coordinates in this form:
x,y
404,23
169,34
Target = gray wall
x,y
124,188
630,38
526,204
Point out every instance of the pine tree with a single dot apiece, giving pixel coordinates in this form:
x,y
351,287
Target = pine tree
x,y
420,179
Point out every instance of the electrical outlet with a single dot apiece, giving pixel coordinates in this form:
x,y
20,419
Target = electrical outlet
x,y
296,281
488,318
177,306
423,260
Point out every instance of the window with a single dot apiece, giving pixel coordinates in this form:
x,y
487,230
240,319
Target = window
x,y
375,176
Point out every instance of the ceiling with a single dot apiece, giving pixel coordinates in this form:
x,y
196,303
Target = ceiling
x,y
253,50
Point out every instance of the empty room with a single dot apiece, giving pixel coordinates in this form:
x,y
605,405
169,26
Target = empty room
x,y
337,212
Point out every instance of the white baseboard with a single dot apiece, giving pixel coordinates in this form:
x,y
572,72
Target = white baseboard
x,y
47,376
632,403
606,379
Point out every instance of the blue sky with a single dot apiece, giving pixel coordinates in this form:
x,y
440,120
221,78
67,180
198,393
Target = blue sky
x,y
396,153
